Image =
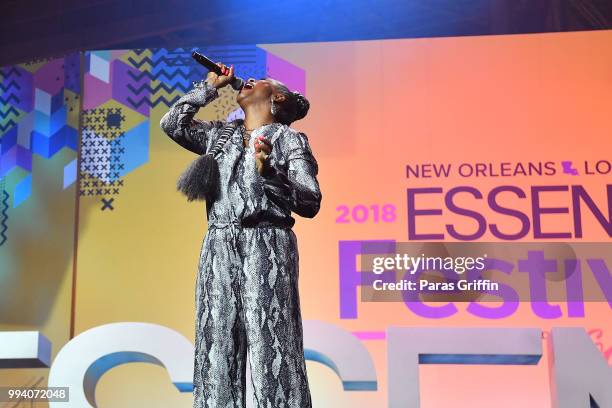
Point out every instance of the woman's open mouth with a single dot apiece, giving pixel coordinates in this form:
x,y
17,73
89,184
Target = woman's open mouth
x,y
248,85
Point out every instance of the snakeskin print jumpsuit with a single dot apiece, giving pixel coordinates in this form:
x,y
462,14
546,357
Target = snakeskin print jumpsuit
x,y
247,301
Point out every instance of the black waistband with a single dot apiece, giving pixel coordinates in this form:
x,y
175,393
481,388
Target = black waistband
x,y
252,223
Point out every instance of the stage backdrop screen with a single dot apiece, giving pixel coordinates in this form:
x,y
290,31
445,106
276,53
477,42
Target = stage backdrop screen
x,y
397,127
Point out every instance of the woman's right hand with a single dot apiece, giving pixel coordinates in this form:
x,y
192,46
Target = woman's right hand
x,y
219,81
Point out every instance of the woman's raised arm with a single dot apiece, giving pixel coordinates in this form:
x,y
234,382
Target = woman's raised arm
x,y
179,123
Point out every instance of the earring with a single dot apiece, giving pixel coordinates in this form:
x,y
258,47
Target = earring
x,y
273,107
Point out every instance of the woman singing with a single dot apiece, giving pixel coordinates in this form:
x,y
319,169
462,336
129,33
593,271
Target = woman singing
x,y
247,301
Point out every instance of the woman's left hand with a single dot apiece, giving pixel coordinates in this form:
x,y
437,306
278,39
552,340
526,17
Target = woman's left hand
x,y
263,148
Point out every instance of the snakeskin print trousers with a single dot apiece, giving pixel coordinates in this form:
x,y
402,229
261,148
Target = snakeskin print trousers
x,y
247,305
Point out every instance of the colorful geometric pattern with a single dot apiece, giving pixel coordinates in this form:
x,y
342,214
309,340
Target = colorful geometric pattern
x,y
100,166
115,136
161,76
122,86
39,109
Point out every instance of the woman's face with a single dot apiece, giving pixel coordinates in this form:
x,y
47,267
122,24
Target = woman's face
x,y
255,91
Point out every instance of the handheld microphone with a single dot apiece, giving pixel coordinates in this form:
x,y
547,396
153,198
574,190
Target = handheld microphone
x,y
236,83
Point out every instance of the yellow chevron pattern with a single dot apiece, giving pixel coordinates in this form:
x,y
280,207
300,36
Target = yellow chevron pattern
x,y
138,58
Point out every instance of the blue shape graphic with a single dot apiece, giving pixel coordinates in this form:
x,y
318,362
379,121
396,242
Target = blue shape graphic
x,y
70,173
23,190
57,101
114,119
42,101
71,137
49,124
8,140
46,146
134,151
99,67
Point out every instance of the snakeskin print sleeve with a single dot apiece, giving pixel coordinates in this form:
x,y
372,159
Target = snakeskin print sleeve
x,y
297,189
179,123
